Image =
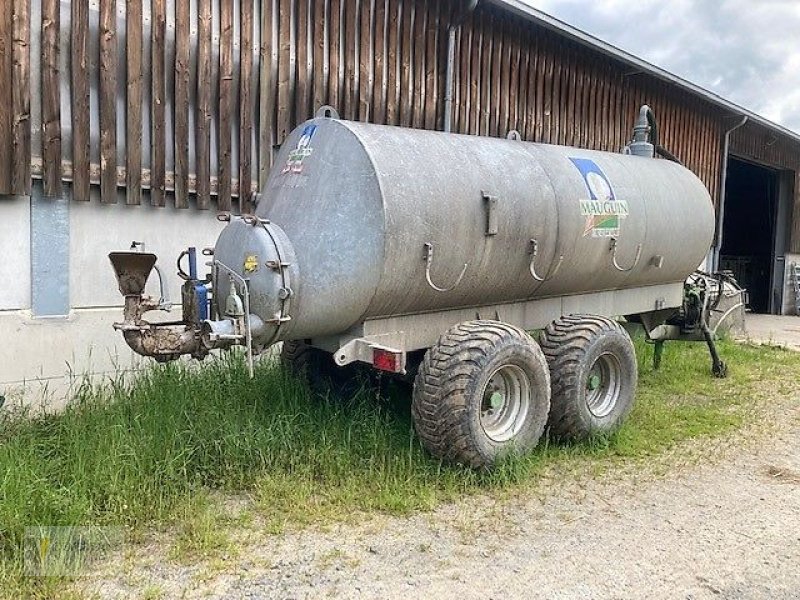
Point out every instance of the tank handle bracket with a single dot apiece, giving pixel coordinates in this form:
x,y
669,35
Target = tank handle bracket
x,y
613,249
534,251
490,202
428,263
326,111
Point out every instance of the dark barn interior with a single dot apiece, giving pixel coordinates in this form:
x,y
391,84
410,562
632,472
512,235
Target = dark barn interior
x,y
749,228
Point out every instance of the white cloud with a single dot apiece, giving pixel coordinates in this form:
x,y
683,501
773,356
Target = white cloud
x,y
744,50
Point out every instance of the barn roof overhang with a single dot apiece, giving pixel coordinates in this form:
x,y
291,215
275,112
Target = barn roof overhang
x,y
522,9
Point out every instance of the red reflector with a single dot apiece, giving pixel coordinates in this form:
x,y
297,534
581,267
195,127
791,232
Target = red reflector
x,y
385,360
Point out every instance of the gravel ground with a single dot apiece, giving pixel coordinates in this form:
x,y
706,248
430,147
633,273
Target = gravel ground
x,y
727,526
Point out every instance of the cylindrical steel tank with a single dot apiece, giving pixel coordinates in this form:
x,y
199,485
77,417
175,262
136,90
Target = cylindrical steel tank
x,y
376,218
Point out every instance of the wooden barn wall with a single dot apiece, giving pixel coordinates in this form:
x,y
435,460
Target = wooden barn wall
x,y
195,96
755,142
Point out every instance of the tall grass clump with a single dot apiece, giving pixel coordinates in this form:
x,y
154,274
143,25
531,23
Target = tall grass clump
x,y
142,451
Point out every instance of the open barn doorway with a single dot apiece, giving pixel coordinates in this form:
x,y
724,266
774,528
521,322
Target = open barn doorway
x,y
748,240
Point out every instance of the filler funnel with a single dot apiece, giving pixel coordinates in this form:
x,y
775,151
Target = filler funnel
x,y
132,270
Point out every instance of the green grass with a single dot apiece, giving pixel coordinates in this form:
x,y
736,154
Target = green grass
x,y
161,450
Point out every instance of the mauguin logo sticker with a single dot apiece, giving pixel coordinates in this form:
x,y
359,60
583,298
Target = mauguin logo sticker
x,y
603,212
296,157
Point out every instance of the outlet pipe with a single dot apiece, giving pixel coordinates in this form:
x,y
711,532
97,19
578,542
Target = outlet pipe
x,y
451,61
723,188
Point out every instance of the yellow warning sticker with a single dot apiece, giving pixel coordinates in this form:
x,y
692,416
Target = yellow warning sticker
x,y
251,264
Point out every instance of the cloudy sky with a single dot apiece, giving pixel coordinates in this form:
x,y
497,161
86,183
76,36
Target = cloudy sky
x,y
747,51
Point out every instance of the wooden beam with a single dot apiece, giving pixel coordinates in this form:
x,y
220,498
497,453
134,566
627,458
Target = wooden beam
x,y
245,106
21,99
182,37
335,43
202,139
365,60
51,98
157,106
108,101
285,74
225,104
379,81
350,60
301,95
320,94
133,117
266,130
80,99
392,66
6,88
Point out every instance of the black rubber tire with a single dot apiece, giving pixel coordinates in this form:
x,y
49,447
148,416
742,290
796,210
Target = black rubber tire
x,y
324,377
572,345
450,385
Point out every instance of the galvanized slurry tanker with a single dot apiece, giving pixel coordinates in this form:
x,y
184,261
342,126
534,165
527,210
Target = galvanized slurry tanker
x,y
429,255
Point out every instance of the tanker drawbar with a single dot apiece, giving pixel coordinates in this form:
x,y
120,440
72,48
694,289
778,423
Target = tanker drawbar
x,y
429,255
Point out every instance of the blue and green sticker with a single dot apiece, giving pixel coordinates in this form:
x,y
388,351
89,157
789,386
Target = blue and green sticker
x,y
603,211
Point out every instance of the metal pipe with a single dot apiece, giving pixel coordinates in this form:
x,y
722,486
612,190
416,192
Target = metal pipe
x,y
722,191
451,59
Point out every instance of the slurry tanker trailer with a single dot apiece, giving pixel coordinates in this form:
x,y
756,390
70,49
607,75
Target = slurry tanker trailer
x,y
430,256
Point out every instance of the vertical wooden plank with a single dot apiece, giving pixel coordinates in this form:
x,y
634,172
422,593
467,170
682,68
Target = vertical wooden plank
x,y
80,99
594,83
486,75
203,117
440,38
392,66
245,106
335,44
108,101
618,110
498,47
431,66
476,61
407,56
21,99
465,81
583,99
459,38
301,44
133,116
157,104
266,131
553,87
542,91
574,120
320,97
570,116
351,60
516,100
604,112
420,28
527,84
51,98
6,88
380,79
181,144
285,74
365,58
505,79
225,105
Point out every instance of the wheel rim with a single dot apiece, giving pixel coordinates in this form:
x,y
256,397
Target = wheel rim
x,y
603,385
506,402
